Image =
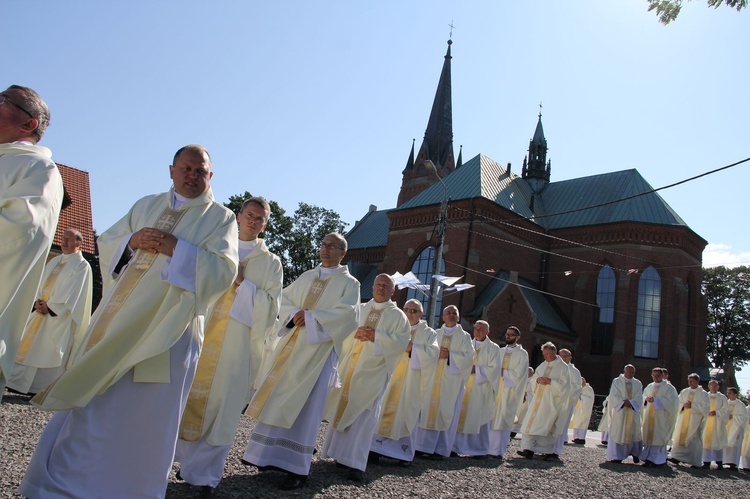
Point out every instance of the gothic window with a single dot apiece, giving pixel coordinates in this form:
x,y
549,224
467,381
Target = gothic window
x,y
422,268
647,319
602,334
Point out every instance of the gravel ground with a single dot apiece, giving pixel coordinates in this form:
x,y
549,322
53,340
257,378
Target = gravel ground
x,y
582,473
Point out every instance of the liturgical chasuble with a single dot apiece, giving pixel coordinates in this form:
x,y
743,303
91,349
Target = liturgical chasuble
x,y
136,329
31,193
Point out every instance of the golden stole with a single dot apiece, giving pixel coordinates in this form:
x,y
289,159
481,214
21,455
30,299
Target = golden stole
x,y
505,365
372,321
436,385
392,398
467,397
33,329
538,397
710,425
629,414
126,283
686,419
651,421
191,427
317,287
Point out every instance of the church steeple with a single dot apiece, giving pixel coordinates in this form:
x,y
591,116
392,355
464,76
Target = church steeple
x,y
437,145
537,170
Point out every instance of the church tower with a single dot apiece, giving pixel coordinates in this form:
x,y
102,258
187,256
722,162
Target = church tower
x,y
437,145
536,171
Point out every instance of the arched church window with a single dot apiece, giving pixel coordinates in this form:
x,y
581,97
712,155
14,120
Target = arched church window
x,y
602,334
422,268
647,318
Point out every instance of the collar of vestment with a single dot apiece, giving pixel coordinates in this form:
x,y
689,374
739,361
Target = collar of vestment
x,y
76,255
25,147
449,330
478,343
379,305
511,347
324,272
205,198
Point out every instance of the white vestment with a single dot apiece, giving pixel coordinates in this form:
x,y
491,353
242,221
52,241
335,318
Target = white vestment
x,y
472,433
436,430
31,193
49,340
604,422
657,420
364,369
289,418
624,438
582,410
715,429
574,395
231,357
546,418
687,439
138,357
746,444
394,430
736,426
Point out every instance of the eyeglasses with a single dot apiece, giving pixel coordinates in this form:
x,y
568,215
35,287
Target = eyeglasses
x,y
330,246
4,99
412,311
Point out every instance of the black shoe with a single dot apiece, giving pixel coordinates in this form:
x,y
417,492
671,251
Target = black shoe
x,y
373,458
178,476
404,464
454,454
648,464
604,442
636,459
207,492
673,460
293,481
551,457
499,458
528,454
732,467
355,475
615,461
706,466
579,441
513,435
719,465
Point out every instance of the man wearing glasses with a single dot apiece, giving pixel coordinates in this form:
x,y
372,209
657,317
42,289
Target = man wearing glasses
x,y
318,312
31,193
407,388
513,380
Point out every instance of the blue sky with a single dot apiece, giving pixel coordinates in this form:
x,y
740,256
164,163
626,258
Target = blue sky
x,y
319,101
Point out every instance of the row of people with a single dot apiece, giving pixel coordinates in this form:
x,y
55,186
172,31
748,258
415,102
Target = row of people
x,y
701,427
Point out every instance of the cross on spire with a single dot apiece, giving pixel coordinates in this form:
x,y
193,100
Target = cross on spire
x,y
452,27
540,109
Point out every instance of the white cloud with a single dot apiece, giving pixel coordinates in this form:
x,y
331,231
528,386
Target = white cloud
x,y
722,254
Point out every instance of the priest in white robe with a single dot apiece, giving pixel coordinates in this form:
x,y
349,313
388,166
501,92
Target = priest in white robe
x,y
165,263
232,354
31,194
660,407
514,374
438,421
626,399
574,394
318,312
687,439
546,418
736,426
478,400
402,401
603,427
369,357
715,429
745,459
523,408
579,423
60,317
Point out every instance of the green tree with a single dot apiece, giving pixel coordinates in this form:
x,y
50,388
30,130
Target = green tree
x,y
727,292
295,239
668,10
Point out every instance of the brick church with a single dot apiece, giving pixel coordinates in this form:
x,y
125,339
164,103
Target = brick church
x,y
600,265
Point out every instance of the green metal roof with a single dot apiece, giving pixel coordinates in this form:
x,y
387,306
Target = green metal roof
x,y
371,231
567,195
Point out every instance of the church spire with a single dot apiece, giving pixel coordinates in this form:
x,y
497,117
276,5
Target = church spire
x,y
537,170
437,145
